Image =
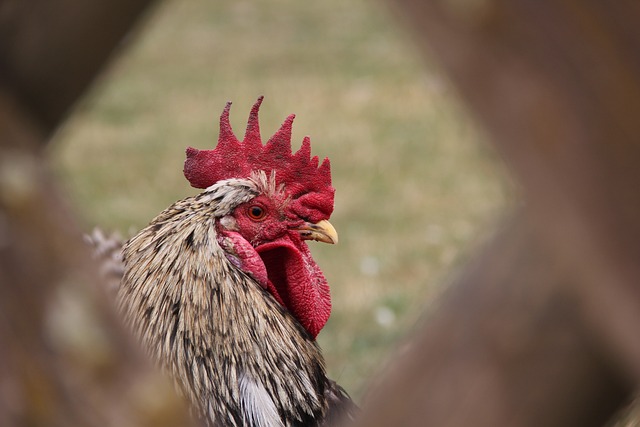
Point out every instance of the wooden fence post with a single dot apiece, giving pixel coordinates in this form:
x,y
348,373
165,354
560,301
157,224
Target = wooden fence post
x,y
50,374
544,330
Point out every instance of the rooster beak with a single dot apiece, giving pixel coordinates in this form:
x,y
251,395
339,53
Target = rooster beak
x,y
321,231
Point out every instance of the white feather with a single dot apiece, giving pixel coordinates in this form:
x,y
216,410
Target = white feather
x,y
257,406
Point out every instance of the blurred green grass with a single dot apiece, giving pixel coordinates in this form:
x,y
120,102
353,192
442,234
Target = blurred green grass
x,y
416,188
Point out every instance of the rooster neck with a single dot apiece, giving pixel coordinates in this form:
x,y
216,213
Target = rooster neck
x,y
226,341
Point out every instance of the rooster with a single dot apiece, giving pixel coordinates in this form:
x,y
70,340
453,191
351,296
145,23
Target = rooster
x,y
221,288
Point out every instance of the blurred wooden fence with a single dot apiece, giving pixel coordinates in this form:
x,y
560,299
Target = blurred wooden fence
x,y
542,329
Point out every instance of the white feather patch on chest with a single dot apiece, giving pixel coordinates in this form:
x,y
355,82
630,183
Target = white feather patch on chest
x,y
257,406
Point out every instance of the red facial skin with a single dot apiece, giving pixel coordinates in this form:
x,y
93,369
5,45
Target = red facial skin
x,y
267,239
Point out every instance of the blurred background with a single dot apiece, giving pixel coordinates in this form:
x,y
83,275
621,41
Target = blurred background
x,y
416,188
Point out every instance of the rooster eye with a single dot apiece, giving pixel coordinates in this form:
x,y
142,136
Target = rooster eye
x,y
257,213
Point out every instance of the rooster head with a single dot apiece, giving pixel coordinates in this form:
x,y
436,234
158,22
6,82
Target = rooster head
x,y
291,202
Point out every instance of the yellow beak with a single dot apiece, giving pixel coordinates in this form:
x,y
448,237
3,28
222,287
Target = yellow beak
x,y
321,231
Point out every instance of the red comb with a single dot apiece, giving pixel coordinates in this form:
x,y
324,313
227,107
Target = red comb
x,y
304,181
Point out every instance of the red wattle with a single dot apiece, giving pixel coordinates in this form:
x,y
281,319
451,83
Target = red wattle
x,y
287,270
297,282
